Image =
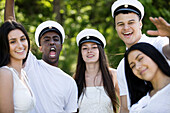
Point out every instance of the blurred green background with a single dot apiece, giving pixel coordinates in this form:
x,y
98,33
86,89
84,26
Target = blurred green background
x,y
76,15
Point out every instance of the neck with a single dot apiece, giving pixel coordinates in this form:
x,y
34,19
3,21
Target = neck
x,y
92,69
160,81
55,64
17,65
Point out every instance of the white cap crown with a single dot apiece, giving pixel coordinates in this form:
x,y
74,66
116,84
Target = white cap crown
x,y
49,24
134,3
90,32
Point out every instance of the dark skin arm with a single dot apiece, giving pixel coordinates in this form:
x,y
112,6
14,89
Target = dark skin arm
x,y
9,10
163,29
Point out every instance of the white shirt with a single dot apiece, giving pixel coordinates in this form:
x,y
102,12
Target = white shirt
x,y
95,100
55,91
24,99
158,103
158,43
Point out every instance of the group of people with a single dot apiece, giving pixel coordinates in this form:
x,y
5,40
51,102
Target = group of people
x,y
140,84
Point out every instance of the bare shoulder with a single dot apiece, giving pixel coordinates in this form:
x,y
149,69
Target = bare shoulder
x,y
113,71
5,74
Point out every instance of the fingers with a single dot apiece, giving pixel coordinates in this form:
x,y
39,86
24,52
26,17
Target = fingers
x,y
152,32
155,20
163,21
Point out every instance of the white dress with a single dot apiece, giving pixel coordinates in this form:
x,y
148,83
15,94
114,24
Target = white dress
x,y
24,99
95,100
158,103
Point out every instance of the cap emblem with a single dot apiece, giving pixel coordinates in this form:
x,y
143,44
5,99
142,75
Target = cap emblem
x,y
87,37
126,5
50,27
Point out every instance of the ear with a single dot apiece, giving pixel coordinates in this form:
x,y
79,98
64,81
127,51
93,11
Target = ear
x,y
141,24
40,48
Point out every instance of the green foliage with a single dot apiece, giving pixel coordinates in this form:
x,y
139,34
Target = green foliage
x,y
77,15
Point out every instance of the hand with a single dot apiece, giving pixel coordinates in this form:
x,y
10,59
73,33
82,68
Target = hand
x,y
163,27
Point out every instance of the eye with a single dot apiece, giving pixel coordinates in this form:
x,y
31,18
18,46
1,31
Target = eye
x,y
47,40
12,42
121,24
23,39
84,48
131,22
140,58
132,66
56,39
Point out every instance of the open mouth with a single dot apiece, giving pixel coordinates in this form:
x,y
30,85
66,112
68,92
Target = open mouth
x,y
52,52
127,34
90,56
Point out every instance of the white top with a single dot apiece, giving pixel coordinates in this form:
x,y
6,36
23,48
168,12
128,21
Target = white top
x,y
23,97
158,103
95,100
55,91
157,42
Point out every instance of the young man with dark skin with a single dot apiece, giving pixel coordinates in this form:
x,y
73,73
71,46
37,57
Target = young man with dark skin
x,y
128,16
55,91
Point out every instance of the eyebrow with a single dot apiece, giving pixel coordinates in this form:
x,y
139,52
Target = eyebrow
x,y
20,37
135,58
122,22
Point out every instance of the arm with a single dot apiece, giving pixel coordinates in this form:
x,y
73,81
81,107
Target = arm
x,y
9,10
122,87
163,29
115,82
6,89
124,108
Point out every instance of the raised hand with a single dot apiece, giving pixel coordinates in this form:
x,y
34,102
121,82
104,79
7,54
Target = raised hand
x,y
163,27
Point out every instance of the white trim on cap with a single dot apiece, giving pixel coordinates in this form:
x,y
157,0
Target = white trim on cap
x,y
90,32
46,24
134,3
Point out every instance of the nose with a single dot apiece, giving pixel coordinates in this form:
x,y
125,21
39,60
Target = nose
x,y
51,42
89,50
126,26
138,66
20,45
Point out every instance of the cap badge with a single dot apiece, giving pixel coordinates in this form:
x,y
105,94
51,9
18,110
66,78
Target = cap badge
x,y
50,27
126,5
87,37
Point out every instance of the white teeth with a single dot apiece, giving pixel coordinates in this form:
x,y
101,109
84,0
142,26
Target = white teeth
x,y
90,55
52,55
127,33
20,51
52,48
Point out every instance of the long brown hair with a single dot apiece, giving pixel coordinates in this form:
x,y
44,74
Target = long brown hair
x,y
106,76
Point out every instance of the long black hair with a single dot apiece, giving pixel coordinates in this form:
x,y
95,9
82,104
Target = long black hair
x,y
5,28
106,76
138,87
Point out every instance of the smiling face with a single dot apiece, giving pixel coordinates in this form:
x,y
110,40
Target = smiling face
x,y
18,45
128,27
51,47
90,52
142,65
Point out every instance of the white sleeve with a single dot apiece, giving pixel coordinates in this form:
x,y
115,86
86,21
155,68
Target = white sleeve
x,y
31,60
123,88
121,78
160,43
72,98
